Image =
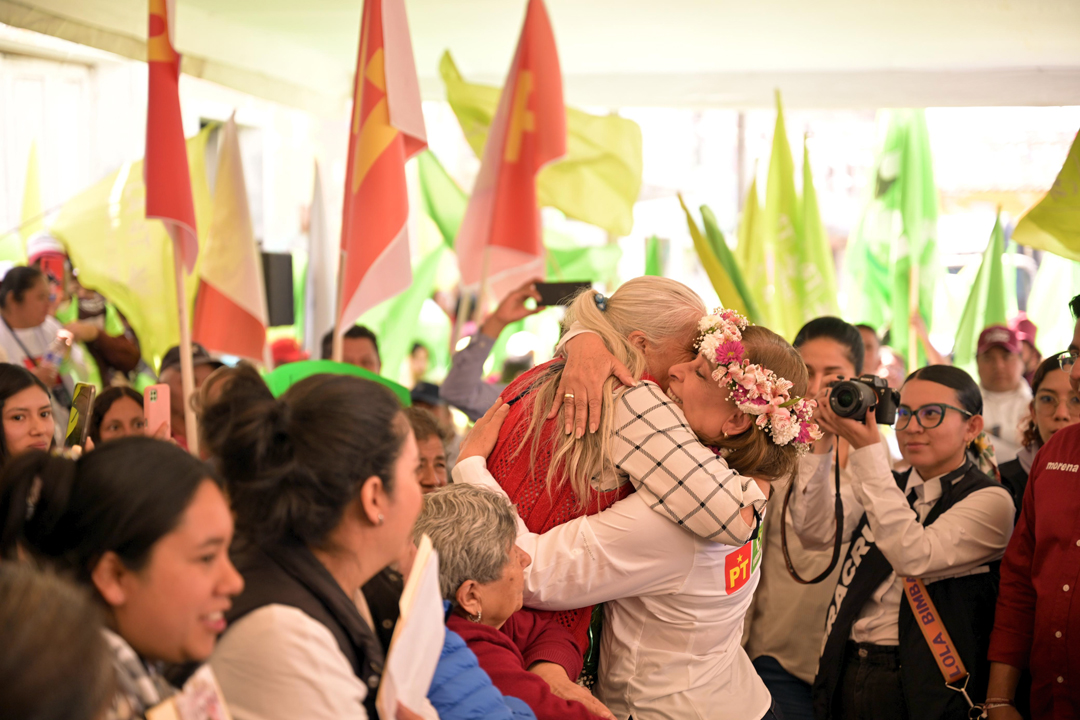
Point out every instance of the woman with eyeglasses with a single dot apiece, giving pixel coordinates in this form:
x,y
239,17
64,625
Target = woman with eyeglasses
x,y
943,521
1054,405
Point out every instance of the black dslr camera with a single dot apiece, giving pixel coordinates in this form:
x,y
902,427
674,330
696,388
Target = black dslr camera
x,y
853,398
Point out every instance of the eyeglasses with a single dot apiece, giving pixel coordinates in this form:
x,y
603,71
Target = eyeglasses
x,y
928,416
1067,359
1048,403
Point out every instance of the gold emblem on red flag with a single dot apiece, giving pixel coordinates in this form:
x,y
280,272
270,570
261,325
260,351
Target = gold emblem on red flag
x,y
522,119
158,46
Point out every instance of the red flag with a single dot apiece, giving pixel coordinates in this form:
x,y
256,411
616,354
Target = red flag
x,y
230,311
168,181
387,129
528,132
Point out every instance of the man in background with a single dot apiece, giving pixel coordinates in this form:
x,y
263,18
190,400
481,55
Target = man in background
x,y
1006,396
359,347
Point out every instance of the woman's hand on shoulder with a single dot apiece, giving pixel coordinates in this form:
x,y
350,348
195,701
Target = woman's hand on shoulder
x,y
485,433
580,396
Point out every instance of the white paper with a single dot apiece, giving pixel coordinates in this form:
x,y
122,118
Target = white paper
x,y
418,640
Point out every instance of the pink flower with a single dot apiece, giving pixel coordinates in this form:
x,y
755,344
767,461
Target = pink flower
x,y
730,352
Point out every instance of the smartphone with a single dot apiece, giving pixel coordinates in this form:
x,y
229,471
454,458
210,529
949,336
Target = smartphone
x,y
82,404
157,409
560,293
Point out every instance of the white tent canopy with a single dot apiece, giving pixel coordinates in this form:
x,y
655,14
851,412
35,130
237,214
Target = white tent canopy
x,y
618,53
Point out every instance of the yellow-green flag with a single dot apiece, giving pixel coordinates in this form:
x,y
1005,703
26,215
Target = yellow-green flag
x,y
13,244
986,305
727,289
750,253
782,227
126,257
816,279
1054,223
599,179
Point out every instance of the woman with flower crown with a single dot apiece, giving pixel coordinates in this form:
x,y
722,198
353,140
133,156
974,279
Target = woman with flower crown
x,y
675,601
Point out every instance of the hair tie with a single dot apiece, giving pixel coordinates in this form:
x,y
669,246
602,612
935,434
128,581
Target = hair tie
x,y
601,302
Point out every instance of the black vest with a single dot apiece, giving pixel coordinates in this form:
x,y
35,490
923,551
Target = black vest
x,y
965,606
288,574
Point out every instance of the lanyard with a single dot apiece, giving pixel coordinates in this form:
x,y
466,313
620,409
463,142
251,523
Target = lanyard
x,y
29,355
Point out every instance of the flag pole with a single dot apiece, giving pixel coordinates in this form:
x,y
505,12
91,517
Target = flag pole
x,y
187,369
463,312
913,309
338,351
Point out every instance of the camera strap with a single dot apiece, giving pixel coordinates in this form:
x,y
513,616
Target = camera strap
x,y
837,542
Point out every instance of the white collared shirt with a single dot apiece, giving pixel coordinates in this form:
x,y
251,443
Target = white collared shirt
x,y
673,613
972,533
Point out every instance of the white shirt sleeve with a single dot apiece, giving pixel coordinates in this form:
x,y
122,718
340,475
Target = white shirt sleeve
x,y
627,550
813,503
680,478
278,663
574,330
971,533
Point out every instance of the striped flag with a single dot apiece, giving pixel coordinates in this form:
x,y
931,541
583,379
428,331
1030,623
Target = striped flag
x,y
500,239
230,311
387,129
168,180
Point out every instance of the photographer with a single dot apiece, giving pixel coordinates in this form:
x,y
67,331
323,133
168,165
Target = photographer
x,y
944,522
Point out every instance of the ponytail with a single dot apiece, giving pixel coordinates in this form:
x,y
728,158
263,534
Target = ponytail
x,y
292,465
35,495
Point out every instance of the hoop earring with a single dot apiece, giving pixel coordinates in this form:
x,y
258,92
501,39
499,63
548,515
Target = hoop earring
x,y
479,615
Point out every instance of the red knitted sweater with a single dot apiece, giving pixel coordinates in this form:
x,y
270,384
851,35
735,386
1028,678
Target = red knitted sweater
x,y
524,477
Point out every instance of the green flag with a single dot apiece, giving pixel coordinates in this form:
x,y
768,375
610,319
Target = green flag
x,y
1056,282
599,179
567,261
727,260
816,280
443,201
781,229
654,264
727,289
1054,223
898,230
986,304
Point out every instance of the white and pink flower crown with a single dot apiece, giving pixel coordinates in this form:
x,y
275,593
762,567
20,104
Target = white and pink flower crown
x,y
756,390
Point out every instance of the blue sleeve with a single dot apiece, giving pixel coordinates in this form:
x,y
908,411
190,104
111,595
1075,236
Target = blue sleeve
x,y
461,690
464,386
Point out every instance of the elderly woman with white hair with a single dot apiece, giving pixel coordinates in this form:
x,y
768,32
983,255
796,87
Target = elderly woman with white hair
x,y
481,574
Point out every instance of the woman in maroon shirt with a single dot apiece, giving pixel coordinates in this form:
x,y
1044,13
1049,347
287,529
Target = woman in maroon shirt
x,y
527,654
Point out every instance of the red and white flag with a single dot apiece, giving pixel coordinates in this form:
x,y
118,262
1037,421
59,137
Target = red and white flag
x,y
387,129
168,180
528,132
230,311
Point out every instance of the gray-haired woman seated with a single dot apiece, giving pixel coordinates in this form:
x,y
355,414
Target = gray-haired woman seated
x,y
526,652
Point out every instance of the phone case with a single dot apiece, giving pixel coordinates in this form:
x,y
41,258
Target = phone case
x,y
157,408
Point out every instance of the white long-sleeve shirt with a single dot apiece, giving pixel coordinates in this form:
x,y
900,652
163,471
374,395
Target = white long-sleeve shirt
x,y
970,534
674,608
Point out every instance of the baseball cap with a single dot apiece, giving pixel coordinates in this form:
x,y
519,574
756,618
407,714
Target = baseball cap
x,y
1023,327
286,350
199,356
427,393
998,336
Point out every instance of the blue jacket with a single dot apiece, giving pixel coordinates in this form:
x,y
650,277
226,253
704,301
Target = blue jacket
x,y
461,690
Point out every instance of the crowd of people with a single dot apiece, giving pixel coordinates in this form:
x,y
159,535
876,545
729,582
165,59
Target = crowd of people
x,y
674,518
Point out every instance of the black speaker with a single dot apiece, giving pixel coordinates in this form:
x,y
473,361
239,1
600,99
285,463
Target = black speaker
x,y
278,278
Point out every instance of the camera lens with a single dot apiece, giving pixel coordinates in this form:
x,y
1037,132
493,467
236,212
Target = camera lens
x,y
851,399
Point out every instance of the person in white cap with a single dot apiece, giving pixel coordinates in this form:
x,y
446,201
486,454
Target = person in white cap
x,y
1005,394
